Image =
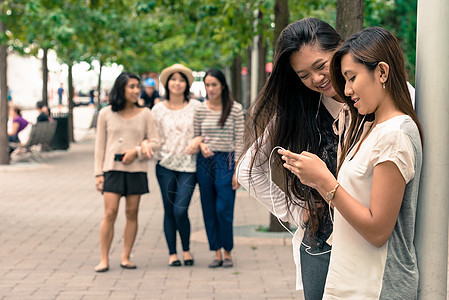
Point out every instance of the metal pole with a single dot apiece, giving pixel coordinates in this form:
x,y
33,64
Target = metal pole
x,y
432,92
254,68
255,61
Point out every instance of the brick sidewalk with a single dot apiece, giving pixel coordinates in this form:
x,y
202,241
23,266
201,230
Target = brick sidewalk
x,y
50,215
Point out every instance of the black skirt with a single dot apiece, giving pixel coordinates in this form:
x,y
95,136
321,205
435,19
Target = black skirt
x,y
126,183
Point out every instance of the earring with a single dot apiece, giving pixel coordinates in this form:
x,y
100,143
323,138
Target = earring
x,y
383,85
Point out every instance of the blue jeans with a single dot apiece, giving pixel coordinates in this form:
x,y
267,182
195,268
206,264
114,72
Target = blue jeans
x,y
314,267
217,198
176,189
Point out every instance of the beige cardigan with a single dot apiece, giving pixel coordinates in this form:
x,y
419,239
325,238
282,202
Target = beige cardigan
x,y
116,134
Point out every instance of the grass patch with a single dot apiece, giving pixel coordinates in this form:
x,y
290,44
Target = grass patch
x,y
261,228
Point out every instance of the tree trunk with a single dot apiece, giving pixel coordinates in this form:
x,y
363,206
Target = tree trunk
x,y
236,78
349,17
248,78
262,45
71,105
99,86
4,154
45,77
281,18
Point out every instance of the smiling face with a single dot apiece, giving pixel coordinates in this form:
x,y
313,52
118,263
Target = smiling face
x,y
214,88
177,84
312,66
362,85
132,90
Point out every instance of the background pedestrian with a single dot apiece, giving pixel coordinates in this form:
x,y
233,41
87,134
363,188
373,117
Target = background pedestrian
x,y
120,167
219,122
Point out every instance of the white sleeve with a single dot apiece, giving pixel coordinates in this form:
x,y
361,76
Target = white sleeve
x,y
258,185
395,146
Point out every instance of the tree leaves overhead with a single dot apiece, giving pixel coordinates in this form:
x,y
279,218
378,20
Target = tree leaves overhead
x,y
400,17
148,35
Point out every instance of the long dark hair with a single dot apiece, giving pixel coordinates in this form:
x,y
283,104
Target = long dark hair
x,y
117,95
369,47
288,108
226,96
186,92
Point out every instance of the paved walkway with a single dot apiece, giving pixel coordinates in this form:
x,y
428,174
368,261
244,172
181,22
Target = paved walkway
x,y
50,215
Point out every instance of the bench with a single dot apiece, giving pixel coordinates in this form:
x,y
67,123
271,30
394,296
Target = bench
x,y
42,133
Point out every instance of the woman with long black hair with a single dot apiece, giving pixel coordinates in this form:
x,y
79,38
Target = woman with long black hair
x,y
120,166
297,109
218,122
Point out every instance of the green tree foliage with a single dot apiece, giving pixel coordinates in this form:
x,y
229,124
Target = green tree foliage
x,y
202,33
400,17
146,35
321,9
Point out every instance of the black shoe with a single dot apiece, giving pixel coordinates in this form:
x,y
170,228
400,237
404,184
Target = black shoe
x,y
216,263
102,270
227,263
176,263
129,267
189,262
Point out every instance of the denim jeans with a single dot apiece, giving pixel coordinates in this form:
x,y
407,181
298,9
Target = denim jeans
x,y
217,198
314,267
176,189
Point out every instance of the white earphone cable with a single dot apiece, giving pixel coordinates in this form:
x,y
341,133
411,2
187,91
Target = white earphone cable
x,y
271,184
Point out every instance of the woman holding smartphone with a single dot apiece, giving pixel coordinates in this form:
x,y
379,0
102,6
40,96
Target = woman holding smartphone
x,y
297,109
120,166
375,195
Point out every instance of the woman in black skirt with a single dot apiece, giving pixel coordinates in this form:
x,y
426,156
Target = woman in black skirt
x,y
120,167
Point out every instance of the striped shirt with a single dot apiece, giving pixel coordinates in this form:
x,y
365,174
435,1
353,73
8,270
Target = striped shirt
x,y
218,139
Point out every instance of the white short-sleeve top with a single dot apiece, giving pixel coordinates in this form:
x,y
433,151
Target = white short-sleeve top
x,y
359,270
175,129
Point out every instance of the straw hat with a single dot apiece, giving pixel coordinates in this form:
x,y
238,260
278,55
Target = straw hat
x,y
176,68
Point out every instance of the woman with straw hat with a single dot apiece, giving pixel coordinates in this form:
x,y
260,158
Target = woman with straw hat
x,y
175,169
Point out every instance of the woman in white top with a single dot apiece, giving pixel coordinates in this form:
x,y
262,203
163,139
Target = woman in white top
x,y
375,197
175,170
297,109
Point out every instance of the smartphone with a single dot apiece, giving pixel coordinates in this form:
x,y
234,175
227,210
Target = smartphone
x,y
119,156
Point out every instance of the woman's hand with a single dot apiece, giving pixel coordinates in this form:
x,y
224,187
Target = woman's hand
x,y
235,183
205,150
99,183
129,156
308,167
146,149
194,145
